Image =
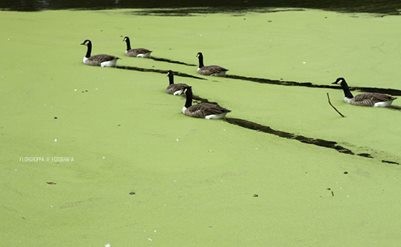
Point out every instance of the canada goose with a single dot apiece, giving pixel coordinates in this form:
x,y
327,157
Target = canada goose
x,y
202,110
102,60
214,70
364,99
174,88
137,52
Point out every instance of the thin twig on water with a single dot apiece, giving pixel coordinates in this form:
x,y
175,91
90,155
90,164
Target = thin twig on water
x,y
328,98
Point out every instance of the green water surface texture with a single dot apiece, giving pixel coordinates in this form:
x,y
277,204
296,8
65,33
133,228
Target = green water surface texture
x,y
135,172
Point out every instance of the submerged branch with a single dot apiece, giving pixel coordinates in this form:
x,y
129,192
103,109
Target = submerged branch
x,y
328,99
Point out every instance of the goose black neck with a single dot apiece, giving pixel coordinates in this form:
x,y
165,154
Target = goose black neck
x,y
188,101
128,43
200,58
347,92
171,78
89,50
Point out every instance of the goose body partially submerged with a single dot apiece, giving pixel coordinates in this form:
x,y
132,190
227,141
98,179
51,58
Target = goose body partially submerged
x,y
175,88
203,109
213,70
102,60
364,99
135,52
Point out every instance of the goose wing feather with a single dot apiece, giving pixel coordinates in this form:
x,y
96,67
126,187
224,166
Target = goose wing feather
x,y
372,98
176,87
101,58
137,51
204,109
213,69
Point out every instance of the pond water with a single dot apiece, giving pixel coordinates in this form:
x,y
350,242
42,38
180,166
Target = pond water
x,y
133,169
374,6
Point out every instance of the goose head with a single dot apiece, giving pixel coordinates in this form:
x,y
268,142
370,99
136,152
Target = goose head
x,y
340,81
86,42
199,55
126,39
347,92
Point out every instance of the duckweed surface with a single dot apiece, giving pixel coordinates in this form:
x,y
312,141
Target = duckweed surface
x,y
92,156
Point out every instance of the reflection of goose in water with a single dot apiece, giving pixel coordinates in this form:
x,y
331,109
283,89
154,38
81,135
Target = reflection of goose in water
x,y
364,99
102,60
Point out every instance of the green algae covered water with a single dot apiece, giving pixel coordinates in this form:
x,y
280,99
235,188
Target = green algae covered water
x,y
93,156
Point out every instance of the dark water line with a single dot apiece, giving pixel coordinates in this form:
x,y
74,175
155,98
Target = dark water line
x,y
366,155
307,140
390,162
160,71
200,99
279,82
394,107
160,59
395,92
266,129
